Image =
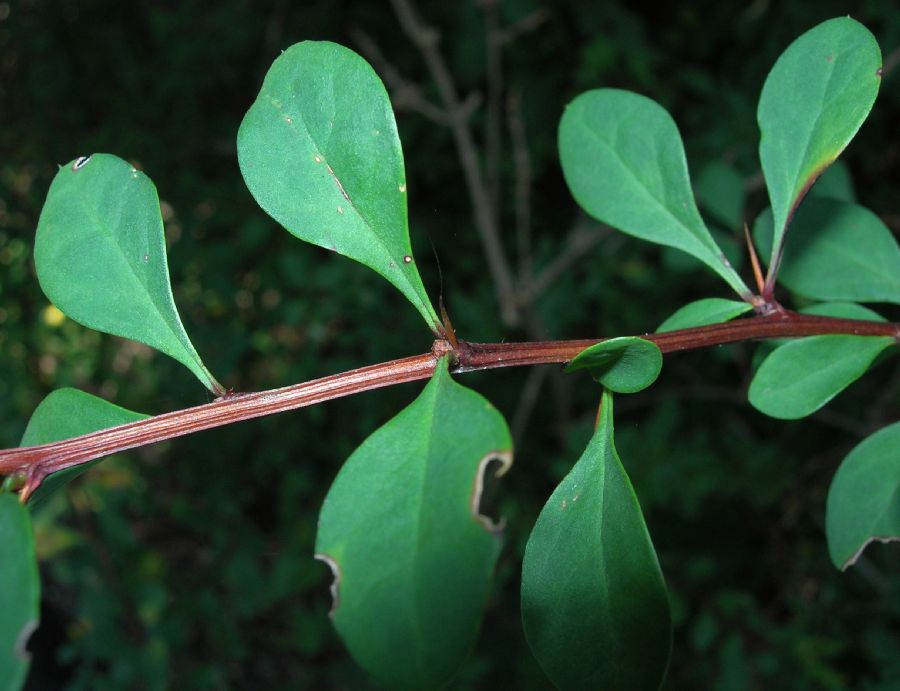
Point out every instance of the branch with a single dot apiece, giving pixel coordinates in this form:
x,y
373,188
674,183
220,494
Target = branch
x,y
36,462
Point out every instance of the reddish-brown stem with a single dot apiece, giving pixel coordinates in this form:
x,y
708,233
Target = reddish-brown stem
x,y
36,462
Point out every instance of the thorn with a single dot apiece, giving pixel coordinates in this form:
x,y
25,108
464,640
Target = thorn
x,y
448,325
754,261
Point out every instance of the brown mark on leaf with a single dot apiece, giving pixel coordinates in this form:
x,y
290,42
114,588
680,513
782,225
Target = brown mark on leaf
x,y
338,183
334,588
505,459
829,58
21,649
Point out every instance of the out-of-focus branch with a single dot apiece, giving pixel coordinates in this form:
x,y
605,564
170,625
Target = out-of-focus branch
x,y
405,95
525,25
522,168
581,240
493,115
426,39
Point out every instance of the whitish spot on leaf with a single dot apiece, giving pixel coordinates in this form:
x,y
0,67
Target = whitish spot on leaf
x,y
80,162
505,459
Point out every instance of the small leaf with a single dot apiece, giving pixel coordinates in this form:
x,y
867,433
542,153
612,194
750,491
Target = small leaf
x,y
401,530
720,193
836,251
320,153
623,365
624,162
594,602
100,255
814,101
64,414
800,376
704,312
20,592
864,499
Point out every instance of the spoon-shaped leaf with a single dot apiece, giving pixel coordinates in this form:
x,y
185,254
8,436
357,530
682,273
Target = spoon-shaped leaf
x,y
100,255
594,602
67,413
836,251
704,312
320,153
814,101
20,591
624,162
623,365
801,376
401,530
864,498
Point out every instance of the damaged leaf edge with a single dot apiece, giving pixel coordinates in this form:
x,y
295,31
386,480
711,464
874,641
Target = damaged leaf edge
x,y
505,458
883,539
334,588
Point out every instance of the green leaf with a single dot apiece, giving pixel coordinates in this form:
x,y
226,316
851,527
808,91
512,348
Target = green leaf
x,y
623,365
813,102
100,255
864,499
720,193
594,602
320,153
836,251
624,162
64,414
704,312
401,530
800,376
835,183
20,592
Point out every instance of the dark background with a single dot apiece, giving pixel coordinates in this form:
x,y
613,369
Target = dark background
x,y
188,564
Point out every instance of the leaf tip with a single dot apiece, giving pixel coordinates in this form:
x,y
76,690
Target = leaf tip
x,y
504,459
334,588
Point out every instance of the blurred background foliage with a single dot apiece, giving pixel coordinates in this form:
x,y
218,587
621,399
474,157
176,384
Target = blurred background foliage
x,y
188,564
